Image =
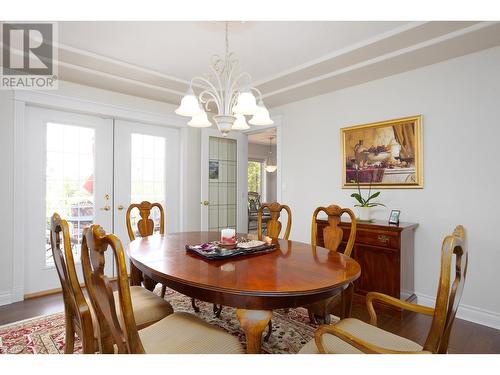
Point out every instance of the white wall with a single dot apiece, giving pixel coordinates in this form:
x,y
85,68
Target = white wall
x,y
6,191
261,152
460,103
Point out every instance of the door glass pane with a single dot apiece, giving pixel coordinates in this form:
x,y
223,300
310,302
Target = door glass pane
x,y
222,183
69,181
147,175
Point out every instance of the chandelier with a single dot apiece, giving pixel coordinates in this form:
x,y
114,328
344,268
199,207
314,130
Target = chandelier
x,y
227,91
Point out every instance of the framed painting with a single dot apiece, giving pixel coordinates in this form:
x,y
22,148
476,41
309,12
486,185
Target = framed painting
x,y
385,154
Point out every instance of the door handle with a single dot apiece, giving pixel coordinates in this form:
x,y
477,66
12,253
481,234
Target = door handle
x,y
205,203
120,207
105,208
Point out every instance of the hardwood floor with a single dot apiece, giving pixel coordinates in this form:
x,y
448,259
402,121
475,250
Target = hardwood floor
x,y
466,337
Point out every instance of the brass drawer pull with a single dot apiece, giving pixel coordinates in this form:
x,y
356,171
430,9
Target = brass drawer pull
x,y
383,238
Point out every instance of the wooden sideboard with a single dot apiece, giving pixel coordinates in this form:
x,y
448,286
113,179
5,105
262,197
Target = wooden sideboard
x,y
386,255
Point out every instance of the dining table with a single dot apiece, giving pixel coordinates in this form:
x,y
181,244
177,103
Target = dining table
x,y
294,274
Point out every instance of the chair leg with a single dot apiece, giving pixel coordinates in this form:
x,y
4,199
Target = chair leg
x,y
163,290
217,310
312,317
193,304
69,347
269,331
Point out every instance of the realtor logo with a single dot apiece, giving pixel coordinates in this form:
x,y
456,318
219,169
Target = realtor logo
x,y
28,55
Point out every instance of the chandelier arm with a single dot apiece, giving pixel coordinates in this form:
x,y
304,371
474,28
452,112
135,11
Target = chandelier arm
x,y
218,75
213,91
234,98
239,77
259,93
232,65
212,98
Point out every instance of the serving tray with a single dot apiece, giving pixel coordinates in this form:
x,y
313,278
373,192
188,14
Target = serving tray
x,y
215,252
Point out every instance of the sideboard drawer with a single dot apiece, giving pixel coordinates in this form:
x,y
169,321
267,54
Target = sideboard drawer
x,y
375,238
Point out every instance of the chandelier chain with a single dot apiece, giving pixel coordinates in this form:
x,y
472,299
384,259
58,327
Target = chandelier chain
x,y
227,38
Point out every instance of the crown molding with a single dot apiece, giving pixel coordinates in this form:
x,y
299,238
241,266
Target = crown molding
x,y
402,51
404,48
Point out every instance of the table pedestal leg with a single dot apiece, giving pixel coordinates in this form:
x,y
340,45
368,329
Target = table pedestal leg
x,y
346,304
149,284
253,323
135,275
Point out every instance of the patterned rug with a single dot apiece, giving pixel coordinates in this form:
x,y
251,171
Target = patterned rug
x,y
45,335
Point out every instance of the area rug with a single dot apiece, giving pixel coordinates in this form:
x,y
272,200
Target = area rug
x,y
45,335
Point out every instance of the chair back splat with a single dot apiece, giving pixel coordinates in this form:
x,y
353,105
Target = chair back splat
x,y
145,225
94,246
274,224
332,234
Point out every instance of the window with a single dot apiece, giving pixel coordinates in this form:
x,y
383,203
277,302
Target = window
x,y
69,181
255,169
147,174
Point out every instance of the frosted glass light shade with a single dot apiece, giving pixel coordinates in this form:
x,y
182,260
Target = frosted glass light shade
x,y
246,105
200,120
261,116
189,105
240,123
271,168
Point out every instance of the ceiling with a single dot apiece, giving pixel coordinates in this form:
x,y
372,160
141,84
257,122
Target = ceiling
x,y
261,137
288,60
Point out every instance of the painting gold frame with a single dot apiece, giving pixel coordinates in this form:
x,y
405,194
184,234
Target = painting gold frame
x,y
416,180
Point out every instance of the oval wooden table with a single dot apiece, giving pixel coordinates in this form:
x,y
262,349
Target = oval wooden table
x,y
295,274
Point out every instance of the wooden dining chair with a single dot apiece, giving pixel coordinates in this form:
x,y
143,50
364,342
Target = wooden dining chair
x,y
177,333
332,237
274,224
354,336
145,227
273,230
80,317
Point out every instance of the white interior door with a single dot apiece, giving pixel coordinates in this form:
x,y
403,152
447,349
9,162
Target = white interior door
x,y
146,169
223,181
69,170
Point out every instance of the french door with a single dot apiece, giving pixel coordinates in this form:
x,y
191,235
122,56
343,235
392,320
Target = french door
x,y
89,170
224,181
146,169
69,166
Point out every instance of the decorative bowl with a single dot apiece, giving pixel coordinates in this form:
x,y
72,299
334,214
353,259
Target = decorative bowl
x,y
379,157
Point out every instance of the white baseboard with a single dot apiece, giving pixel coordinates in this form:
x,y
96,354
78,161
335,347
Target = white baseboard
x,y
466,312
5,298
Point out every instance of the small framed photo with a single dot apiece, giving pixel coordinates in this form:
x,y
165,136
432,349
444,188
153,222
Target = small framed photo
x,y
394,217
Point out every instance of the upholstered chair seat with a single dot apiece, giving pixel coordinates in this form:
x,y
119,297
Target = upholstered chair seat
x,y
363,331
147,307
184,333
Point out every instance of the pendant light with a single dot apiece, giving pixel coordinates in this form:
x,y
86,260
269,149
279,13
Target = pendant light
x,y
270,166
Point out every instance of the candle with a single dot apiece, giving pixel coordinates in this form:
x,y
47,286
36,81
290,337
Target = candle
x,y
228,235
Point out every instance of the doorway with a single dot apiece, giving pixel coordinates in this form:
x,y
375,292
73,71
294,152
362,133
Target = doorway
x,y
223,180
261,173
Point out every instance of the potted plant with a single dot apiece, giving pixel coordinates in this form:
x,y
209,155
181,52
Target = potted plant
x,y
365,204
